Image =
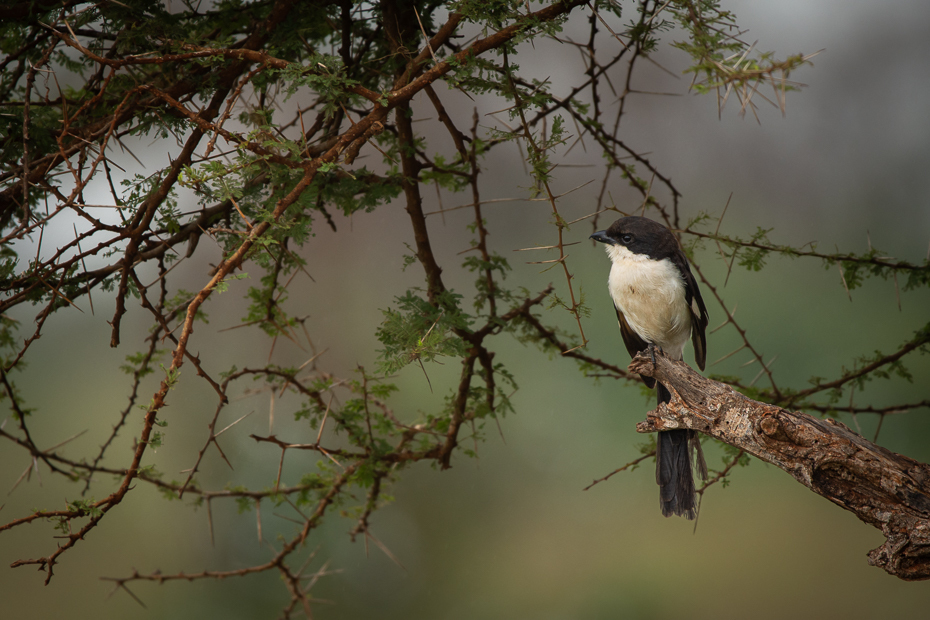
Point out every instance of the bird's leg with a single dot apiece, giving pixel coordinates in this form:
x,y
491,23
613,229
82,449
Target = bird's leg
x,y
652,348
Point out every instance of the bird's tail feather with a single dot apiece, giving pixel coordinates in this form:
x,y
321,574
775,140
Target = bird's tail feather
x,y
674,450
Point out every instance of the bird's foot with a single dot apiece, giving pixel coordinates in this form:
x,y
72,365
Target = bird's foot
x,y
652,352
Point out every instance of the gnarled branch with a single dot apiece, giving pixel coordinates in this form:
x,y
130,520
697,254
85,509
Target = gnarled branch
x,y
886,490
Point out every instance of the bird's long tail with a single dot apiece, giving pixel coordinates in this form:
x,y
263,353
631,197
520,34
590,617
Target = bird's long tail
x,y
674,451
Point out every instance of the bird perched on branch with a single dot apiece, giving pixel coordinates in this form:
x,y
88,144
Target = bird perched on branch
x,y
659,304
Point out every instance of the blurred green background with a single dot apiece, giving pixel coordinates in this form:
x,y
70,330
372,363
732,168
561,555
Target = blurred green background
x,y
512,534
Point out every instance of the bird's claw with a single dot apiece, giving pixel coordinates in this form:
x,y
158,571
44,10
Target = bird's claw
x,y
652,352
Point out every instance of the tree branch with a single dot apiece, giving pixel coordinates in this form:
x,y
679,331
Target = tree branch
x,y
886,490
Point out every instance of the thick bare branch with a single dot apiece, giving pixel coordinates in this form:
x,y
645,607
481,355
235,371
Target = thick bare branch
x,y
886,490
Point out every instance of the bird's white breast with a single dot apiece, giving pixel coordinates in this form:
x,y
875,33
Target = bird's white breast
x,y
651,296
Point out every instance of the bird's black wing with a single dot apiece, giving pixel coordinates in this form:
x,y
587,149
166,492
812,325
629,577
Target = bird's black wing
x,y
634,344
698,310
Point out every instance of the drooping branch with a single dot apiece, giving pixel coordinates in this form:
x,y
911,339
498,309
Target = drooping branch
x,y
886,490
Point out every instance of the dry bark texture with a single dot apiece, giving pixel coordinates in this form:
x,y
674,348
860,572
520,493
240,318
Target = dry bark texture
x,y
884,489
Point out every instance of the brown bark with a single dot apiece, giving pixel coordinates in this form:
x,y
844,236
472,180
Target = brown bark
x,y
886,490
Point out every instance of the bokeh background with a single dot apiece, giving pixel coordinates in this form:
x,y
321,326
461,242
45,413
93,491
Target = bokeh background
x,y
512,534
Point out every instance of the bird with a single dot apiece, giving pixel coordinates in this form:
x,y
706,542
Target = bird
x,y
659,304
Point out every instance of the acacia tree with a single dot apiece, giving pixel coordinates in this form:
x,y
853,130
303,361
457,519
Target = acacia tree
x,y
275,115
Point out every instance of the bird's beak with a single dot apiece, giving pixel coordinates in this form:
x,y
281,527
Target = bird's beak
x,y
601,236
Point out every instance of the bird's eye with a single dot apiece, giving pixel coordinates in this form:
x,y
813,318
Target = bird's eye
x,y
626,238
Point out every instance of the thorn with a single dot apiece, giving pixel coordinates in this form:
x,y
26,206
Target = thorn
x,y
730,354
843,278
728,320
722,215
234,423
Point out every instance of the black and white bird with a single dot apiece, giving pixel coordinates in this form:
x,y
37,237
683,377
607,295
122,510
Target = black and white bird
x,y
659,304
